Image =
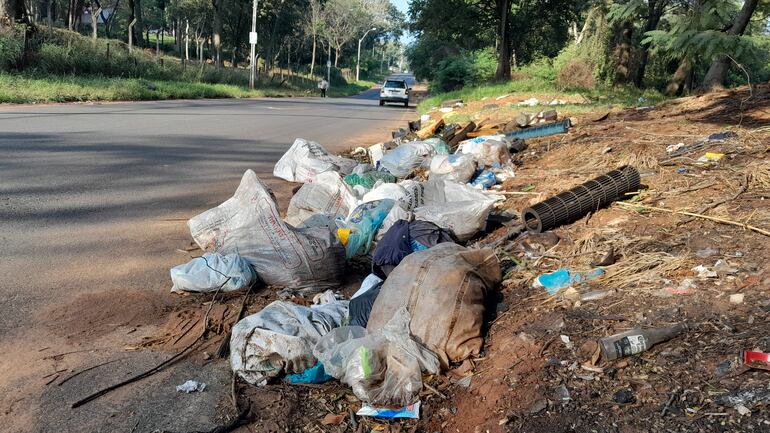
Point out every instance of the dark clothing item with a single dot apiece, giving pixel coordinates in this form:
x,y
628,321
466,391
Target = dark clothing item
x,y
404,238
361,306
323,93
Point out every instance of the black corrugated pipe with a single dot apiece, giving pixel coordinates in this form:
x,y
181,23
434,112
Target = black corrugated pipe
x,y
570,206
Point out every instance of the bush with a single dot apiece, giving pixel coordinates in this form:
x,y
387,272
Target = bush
x,y
577,73
468,69
11,47
453,73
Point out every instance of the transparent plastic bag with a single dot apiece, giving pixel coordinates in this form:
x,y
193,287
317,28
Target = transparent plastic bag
x,y
306,159
488,150
327,194
384,367
363,223
404,159
459,168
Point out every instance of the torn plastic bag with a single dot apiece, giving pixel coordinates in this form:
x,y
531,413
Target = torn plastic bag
x,y
280,338
306,159
210,272
404,238
249,224
383,367
358,231
327,194
487,150
444,289
459,208
404,159
459,168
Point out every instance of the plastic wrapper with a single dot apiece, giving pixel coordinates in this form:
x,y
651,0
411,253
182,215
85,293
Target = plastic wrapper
x,y
306,159
211,272
309,259
326,196
280,338
404,159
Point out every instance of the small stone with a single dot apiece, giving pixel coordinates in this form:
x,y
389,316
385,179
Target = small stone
x,y
562,393
723,368
206,356
624,396
743,410
538,406
736,298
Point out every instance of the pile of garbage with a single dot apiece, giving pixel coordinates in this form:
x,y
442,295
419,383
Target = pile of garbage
x,y
416,210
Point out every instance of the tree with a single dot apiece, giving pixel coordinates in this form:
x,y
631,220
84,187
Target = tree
x,y
13,11
717,73
313,25
342,21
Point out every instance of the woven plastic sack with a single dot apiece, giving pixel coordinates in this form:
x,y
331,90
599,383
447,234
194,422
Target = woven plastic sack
x,y
212,272
280,338
248,224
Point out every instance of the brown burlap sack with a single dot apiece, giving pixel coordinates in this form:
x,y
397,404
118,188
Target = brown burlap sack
x,y
444,289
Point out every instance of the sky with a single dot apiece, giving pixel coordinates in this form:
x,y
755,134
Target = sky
x,y
403,6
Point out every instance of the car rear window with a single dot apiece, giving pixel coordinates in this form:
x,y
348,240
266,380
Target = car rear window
x,y
395,85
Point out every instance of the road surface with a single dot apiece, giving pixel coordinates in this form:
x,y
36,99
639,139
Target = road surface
x,y
93,204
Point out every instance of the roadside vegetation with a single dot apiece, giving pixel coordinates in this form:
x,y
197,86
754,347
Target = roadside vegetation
x,y
63,66
609,51
157,49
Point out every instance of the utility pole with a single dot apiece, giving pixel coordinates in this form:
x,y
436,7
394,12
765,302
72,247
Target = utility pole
x,y
358,62
329,65
253,42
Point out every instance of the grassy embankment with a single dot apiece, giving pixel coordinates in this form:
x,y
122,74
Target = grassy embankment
x,y
578,99
61,66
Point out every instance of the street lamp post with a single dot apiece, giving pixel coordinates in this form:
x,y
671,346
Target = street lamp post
x,y
253,43
358,62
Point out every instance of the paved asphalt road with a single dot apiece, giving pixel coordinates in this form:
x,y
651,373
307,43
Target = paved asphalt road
x,y
93,204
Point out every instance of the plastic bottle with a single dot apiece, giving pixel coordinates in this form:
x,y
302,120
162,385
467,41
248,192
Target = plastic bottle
x,y
363,224
637,340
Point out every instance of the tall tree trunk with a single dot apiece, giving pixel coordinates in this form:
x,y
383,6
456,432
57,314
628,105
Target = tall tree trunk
x,y
503,72
312,60
654,13
337,55
678,83
139,26
623,53
717,73
187,40
217,32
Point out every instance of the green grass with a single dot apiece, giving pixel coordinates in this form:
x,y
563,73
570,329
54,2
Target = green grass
x,y
16,88
525,87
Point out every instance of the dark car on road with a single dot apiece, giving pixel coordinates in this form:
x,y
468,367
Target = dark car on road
x,y
394,91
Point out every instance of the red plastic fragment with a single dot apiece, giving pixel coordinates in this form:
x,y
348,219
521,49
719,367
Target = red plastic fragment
x,y
759,360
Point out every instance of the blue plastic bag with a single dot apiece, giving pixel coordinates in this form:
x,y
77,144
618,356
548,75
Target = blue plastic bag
x,y
314,374
563,278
